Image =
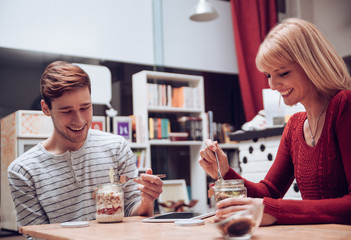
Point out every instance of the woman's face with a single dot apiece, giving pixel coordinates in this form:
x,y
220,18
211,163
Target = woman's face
x,y
291,82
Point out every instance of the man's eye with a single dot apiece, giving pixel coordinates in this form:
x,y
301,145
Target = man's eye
x,y
66,112
268,75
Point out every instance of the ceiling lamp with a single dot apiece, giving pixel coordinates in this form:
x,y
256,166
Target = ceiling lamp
x,y
203,11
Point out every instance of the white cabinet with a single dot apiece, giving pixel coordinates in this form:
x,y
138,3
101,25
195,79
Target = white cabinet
x,y
256,156
147,108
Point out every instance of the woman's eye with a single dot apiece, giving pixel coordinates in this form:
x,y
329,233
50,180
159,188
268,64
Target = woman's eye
x,y
284,74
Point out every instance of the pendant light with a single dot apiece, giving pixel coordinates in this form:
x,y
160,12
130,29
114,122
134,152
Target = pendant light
x,y
203,11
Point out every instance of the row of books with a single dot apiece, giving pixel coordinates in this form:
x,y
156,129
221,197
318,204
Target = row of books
x,y
220,132
159,128
162,95
140,155
191,125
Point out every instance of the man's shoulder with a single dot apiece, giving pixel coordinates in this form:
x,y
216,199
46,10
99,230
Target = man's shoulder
x,y
32,155
97,134
98,137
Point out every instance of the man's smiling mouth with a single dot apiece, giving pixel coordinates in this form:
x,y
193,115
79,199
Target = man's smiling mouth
x,y
77,129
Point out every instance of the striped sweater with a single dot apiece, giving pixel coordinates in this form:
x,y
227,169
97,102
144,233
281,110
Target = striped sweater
x,y
49,188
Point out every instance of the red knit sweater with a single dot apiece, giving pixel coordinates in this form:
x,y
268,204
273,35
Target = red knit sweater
x,y
323,172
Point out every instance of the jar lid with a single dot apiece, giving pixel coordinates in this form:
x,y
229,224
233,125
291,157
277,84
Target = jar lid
x,y
229,182
189,222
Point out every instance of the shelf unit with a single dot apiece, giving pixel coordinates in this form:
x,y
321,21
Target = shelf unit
x,y
141,107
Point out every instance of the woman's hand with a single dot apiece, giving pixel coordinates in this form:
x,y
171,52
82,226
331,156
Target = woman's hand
x,y
208,159
230,205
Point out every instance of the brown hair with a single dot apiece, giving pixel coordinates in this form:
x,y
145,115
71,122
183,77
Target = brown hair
x,y
60,77
298,41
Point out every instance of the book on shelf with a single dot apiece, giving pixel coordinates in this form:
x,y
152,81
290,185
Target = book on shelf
x,y
185,97
165,95
178,136
191,125
140,156
220,131
159,128
138,135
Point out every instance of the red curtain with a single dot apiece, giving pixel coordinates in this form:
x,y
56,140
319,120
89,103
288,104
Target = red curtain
x,y
252,20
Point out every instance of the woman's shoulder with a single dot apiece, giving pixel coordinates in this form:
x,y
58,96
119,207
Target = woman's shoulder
x,y
295,121
342,96
297,117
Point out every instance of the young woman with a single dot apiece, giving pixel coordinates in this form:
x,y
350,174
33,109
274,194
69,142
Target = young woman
x,y
314,149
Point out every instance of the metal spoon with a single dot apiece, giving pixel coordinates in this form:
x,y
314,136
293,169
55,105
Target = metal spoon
x,y
210,120
124,178
220,177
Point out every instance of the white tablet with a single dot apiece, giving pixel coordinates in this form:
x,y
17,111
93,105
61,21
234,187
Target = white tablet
x,y
175,216
74,224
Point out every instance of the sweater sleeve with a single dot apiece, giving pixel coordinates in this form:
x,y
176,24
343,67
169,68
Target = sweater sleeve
x,y
28,208
127,166
278,179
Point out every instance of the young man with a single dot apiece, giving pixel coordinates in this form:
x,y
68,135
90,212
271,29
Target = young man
x,y
54,181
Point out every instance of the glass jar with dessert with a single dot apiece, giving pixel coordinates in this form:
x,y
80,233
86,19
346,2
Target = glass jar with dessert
x,y
109,200
229,188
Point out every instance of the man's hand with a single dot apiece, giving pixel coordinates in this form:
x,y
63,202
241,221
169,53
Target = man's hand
x,y
150,188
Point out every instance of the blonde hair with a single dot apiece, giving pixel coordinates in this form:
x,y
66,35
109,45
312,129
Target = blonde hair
x,y
298,41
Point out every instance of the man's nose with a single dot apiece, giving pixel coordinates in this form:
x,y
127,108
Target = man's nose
x,y
78,117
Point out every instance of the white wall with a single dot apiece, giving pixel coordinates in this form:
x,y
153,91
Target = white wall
x,y
117,30
120,30
332,17
198,45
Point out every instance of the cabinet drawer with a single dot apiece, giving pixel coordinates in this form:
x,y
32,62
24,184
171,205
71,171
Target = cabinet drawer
x,y
252,144
273,141
293,192
256,167
268,154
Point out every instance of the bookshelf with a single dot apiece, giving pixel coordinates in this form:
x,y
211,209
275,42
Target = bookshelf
x,y
151,103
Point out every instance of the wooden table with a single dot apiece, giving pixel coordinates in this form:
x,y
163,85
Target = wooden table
x,y
133,229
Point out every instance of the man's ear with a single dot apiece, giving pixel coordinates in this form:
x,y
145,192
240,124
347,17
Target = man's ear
x,y
45,108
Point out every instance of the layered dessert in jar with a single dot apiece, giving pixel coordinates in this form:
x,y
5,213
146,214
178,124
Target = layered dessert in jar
x,y
109,203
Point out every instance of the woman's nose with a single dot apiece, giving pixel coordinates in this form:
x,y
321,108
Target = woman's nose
x,y
273,83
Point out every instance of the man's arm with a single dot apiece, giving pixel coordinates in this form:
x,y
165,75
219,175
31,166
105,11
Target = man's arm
x,y
150,188
28,208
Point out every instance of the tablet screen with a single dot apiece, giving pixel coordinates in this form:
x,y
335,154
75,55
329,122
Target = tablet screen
x,y
177,215
173,216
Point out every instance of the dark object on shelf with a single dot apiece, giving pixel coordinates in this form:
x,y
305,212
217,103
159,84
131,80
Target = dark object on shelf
x,y
178,136
242,135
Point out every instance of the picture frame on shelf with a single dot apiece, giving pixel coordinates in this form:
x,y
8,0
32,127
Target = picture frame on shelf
x,y
99,123
123,126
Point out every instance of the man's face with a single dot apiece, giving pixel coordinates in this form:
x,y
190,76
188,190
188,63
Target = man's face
x,y
72,115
